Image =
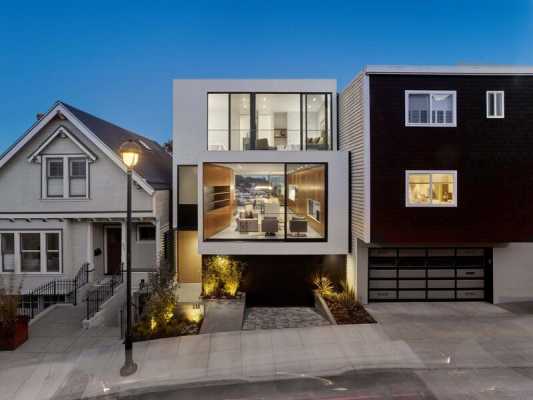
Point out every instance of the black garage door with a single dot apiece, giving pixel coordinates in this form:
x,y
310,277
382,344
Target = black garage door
x,y
429,274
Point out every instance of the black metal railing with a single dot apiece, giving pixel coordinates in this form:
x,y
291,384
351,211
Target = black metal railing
x,y
101,293
58,291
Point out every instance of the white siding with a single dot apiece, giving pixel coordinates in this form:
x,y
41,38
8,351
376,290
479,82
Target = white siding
x,y
354,137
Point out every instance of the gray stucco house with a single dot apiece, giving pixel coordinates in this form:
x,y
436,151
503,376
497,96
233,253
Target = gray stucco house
x,y
63,199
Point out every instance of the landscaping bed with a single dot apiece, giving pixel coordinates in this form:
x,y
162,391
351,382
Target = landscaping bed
x,y
348,313
148,329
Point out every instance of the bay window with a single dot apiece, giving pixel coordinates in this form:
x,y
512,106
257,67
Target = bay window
x,y
430,108
431,188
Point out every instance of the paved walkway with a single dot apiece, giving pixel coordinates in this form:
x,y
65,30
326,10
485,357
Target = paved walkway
x,y
281,317
493,343
223,316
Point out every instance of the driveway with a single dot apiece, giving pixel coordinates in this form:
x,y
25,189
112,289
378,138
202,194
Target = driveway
x,y
450,346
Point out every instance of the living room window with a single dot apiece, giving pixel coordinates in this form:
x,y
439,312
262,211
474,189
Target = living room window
x,y
31,252
260,201
431,188
495,104
430,108
65,177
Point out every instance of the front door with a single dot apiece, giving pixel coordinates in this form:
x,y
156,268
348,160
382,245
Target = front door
x,y
113,250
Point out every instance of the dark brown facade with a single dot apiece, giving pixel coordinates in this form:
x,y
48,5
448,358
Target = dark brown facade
x,y
493,159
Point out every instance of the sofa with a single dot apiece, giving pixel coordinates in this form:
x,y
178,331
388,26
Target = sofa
x,y
269,226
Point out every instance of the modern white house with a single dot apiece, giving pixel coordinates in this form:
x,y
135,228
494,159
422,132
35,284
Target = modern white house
x,y
63,200
258,176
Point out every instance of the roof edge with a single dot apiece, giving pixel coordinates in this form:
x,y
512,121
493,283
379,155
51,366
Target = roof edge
x,y
449,69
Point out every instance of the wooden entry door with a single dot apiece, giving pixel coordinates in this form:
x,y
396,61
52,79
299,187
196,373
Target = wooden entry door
x,y
113,249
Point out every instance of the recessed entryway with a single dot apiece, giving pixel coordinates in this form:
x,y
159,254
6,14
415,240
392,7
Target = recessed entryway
x,y
112,249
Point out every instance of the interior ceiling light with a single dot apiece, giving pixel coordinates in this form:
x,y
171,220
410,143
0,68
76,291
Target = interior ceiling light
x,y
314,98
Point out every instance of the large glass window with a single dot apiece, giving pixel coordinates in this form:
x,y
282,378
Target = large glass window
x,y
7,251
278,122
256,201
30,252
431,188
218,121
269,121
317,122
430,108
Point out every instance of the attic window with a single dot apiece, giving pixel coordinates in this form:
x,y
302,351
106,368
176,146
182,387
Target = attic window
x,y
145,145
65,177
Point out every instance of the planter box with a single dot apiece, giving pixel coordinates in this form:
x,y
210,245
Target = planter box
x,y
16,338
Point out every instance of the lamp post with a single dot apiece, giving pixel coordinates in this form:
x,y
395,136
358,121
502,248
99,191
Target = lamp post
x,y
130,152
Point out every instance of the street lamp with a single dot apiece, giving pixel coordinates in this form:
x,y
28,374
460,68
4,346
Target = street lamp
x,y
130,152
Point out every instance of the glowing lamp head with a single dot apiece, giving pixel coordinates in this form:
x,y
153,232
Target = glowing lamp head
x,y
130,152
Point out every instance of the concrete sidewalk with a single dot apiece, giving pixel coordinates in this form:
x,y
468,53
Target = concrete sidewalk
x,y
409,335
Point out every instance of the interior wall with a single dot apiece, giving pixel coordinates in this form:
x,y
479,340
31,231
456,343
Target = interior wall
x,y
310,184
189,259
218,219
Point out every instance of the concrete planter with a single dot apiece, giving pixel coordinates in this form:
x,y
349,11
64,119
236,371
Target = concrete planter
x,y
322,308
13,339
224,315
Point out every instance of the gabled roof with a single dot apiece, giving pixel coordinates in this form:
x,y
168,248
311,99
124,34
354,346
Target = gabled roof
x,y
154,170
61,131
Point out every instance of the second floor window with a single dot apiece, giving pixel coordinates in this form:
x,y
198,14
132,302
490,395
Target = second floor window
x,y
431,188
495,104
65,177
269,121
430,108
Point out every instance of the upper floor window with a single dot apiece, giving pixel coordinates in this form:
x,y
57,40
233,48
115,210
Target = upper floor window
x,y
431,188
269,121
65,177
430,108
495,104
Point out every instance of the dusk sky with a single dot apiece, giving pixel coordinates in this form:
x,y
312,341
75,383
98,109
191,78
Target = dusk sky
x,y
117,59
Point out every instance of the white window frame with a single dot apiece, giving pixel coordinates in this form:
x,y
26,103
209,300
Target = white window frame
x,y
429,123
145,226
2,254
66,177
43,252
494,93
430,173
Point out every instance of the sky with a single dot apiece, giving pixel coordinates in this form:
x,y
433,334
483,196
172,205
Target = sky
x,y
116,59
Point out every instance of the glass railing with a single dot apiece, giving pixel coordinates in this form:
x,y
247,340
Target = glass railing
x,y
267,139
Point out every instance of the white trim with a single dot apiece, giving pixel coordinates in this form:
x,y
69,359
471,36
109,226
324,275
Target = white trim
x,y
106,227
60,109
366,157
429,123
449,69
137,236
58,131
495,93
430,173
66,177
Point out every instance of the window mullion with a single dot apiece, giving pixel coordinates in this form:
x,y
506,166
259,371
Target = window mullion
x,y
430,189
18,267
43,252
66,177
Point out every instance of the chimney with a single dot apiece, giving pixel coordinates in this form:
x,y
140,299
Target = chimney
x,y
39,116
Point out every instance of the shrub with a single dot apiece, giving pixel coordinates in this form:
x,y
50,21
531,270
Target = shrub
x,y
324,285
222,276
347,295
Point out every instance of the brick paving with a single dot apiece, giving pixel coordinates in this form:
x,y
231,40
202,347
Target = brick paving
x,y
281,317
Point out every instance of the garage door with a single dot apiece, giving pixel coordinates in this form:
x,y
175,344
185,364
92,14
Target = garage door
x,y
401,274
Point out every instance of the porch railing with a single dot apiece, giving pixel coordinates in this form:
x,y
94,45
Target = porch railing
x,y
58,291
101,293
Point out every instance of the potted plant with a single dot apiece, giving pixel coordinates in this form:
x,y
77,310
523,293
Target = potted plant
x,y
13,327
